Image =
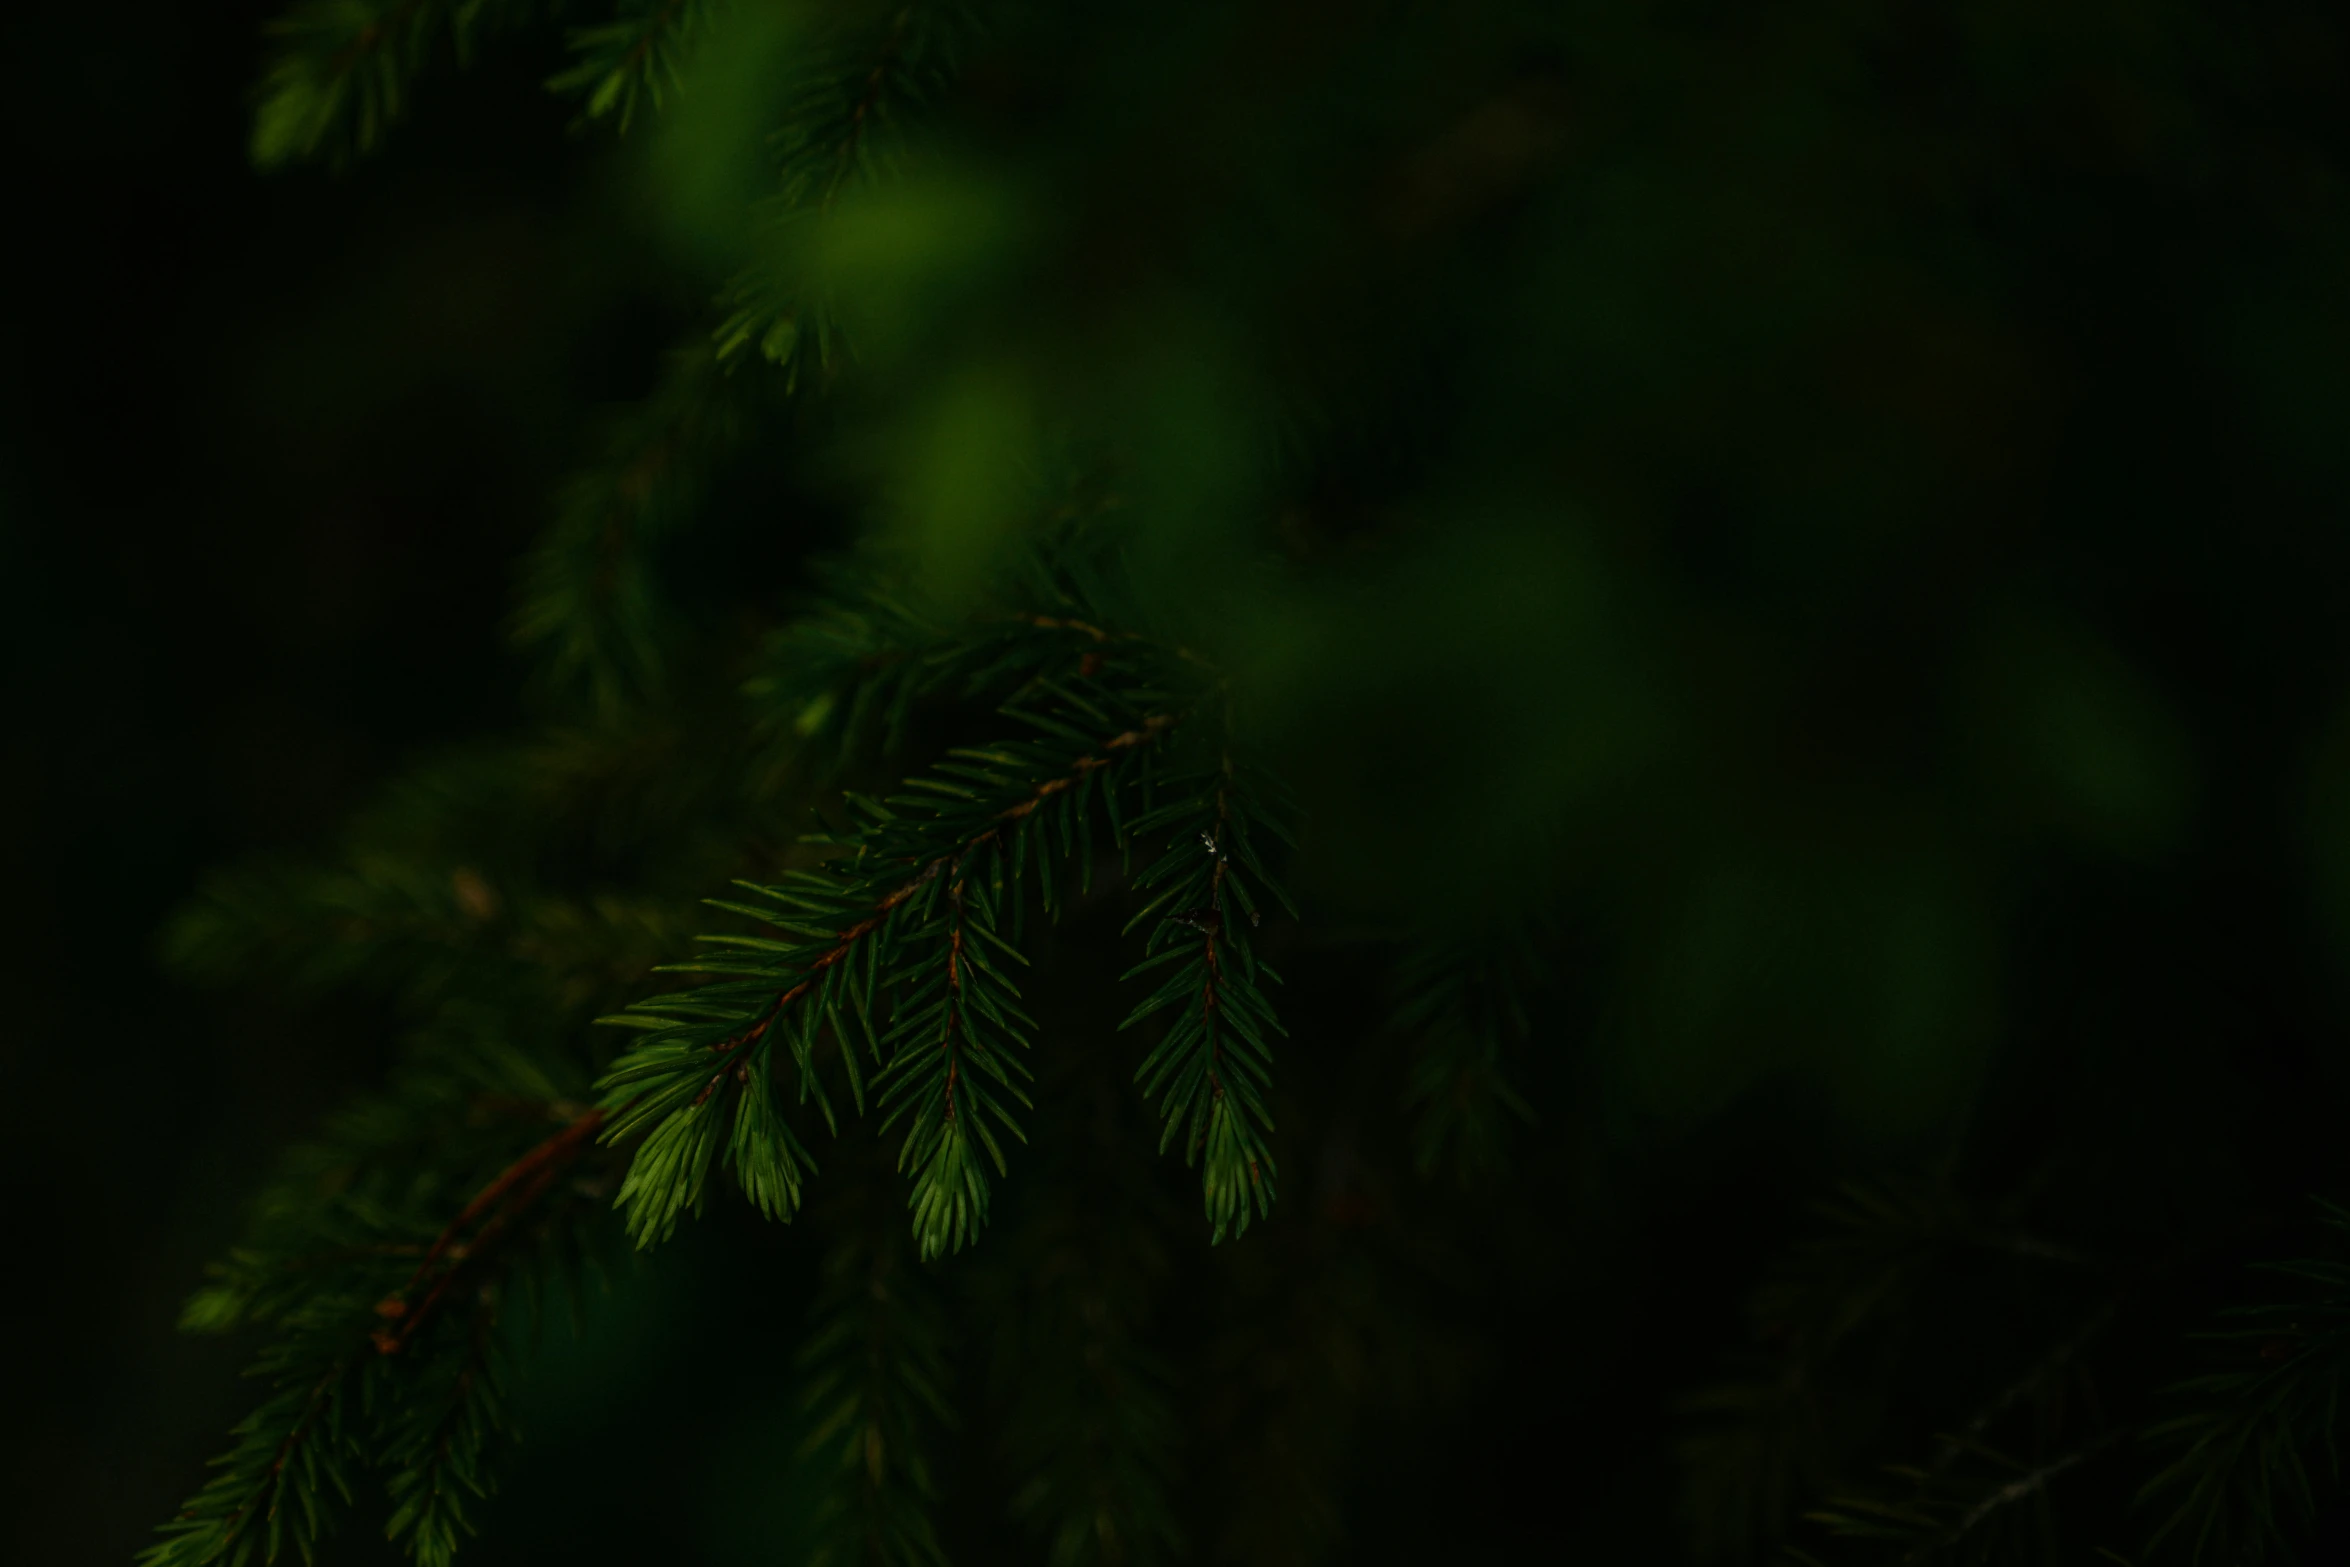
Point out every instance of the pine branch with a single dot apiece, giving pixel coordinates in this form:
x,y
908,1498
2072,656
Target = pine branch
x,y
1094,1431
838,131
634,60
341,70
1212,1067
846,674
876,1377
833,133
1760,1444
1875,1247
479,1226
436,1451
848,669
487,884
900,936
593,607
1311,1335
2242,1487
292,1463
448,1408
2016,1490
2058,1362
446,941
945,1047
1091,1435
1933,1511
1463,995
379,923
382,1294
1765,1440
1940,1521
1830,1305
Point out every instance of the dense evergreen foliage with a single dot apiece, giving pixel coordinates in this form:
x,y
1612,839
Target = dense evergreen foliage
x,y
1419,609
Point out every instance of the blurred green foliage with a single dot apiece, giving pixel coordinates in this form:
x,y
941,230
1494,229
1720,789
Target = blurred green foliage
x,y
1829,516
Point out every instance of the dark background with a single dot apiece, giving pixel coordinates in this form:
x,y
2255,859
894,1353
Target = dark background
x,y
271,446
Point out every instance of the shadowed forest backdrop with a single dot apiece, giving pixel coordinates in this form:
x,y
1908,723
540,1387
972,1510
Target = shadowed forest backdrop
x,y
1825,529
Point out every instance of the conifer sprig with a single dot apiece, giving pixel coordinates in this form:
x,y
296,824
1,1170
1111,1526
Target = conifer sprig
x,y
1212,1068
874,1390
1765,1443
895,946
385,1295
480,1226
949,1075
633,61
2264,1445
1981,1515
837,131
436,1449
841,681
841,129
592,606
1464,998
1092,1440
290,1472
341,71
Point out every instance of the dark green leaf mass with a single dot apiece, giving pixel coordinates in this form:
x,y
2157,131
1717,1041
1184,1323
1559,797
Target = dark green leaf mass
x,y
1306,783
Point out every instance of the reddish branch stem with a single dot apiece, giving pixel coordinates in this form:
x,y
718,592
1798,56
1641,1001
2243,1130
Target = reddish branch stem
x,y
1149,729
1214,960
946,1038
371,36
1211,930
868,98
516,1187
639,51
272,1484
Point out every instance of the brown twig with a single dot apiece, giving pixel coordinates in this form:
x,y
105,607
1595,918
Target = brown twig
x,y
868,99
1149,729
273,1482
2015,1491
643,47
2060,1355
516,1187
